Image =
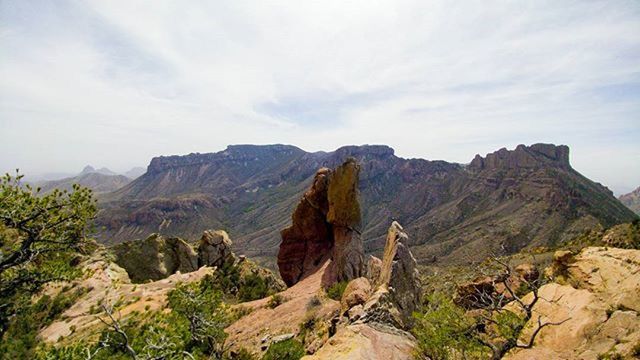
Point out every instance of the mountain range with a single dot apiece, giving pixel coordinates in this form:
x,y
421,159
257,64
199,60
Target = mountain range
x,y
499,203
100,181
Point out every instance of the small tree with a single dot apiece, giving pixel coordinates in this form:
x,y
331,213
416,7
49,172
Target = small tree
x,y
39,235
445,331
202,307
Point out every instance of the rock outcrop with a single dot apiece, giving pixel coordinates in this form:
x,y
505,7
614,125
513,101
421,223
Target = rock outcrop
x,y
595,300
399,274
325,224
214,249
372,323
308,241
155,257
487,291
345,219
392,292
536,155
366,342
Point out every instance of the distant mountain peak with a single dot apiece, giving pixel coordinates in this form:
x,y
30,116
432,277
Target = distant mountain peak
x,y
524,156
90,170
87,170
632,200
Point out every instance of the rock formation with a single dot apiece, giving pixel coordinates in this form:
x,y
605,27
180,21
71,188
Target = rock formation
x,y
308,241
214,249
345,219
597,295
325,224
399,274
155,257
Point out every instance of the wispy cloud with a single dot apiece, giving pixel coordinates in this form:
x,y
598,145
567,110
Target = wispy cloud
x,y
117,82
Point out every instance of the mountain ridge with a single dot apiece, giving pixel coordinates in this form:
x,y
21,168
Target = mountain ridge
x,y
502,202
632,200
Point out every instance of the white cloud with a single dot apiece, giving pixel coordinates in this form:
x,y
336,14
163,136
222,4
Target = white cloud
x,y
116,82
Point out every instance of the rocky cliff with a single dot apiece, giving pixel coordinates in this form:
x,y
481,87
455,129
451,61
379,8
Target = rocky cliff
x,y
499,203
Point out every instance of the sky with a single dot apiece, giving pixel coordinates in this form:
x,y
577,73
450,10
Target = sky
x,y
115,83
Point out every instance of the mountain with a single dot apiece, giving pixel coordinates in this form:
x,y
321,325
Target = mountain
x,y
135,172
89,170
500,203
632,200
100,181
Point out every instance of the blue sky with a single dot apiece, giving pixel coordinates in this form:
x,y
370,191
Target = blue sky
x,y
114,83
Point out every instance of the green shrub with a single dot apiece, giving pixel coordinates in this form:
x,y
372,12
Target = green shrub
x,y
443,331
253,288
314,302
291,349
336,290
243,354
275,301
23,329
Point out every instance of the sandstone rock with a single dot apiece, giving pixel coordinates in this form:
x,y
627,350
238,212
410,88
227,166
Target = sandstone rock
x,y
344,216
527,272
374,268
367,342
155,257
309,240
280,338
399,274
355,313
474,294
600,306
325,224
357,292
558,268
214,249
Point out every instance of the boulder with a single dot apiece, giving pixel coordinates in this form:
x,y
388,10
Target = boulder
x,y
162,257
214,249
357,292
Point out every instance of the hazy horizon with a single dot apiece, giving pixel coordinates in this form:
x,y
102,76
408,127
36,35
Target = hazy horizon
x,y
113,84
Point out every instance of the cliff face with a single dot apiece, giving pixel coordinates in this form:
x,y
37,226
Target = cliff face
x,y
502,202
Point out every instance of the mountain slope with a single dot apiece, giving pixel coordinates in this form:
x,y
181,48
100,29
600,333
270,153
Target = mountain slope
x,y
632,200
98,182
499,203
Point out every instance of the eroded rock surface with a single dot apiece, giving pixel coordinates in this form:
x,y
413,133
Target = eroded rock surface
x,y
214,249
309,240
399,275
344,216
597,295
155,257
325,224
